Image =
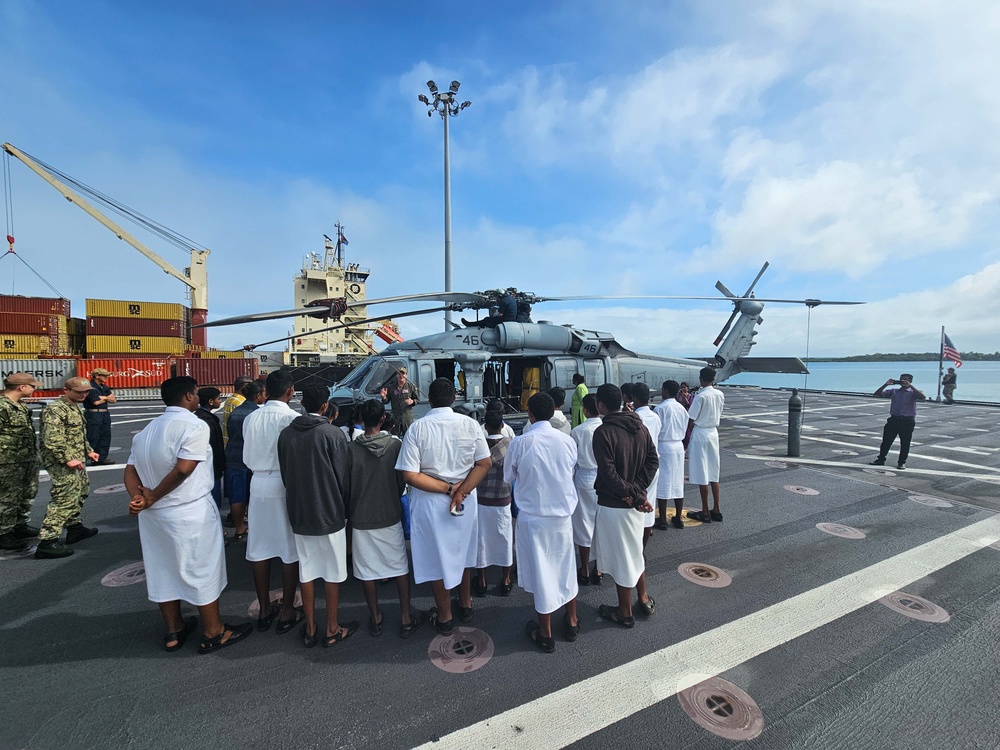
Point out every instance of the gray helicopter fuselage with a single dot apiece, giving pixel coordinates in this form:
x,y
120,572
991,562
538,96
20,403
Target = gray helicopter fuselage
x,y
506,361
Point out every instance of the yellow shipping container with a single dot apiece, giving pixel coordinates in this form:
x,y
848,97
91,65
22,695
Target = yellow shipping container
x,y
135,345
116,308
32,344
217,354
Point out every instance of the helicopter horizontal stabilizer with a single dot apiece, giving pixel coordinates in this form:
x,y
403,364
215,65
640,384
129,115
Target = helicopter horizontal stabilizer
x,y
782,365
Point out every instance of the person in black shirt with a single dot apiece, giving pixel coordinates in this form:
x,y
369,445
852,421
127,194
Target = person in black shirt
x,y
95,407
209,399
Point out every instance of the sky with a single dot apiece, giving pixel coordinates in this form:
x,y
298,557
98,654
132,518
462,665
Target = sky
x,y
635,147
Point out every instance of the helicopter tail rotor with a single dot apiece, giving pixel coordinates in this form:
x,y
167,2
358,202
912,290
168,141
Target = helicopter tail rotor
x,y
736,302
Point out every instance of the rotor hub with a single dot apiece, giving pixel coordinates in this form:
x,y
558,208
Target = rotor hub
x,y
332,307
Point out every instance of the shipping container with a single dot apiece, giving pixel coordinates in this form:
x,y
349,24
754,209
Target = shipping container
x,y
76,326
115,308
135,345
52,372
222,354
218,372
266,361
30,345
128,372
32,323
37,305
134,327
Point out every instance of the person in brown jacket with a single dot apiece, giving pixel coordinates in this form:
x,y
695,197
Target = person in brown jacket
x,y
626,464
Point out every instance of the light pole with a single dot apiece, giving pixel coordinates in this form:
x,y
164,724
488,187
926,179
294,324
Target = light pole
x,y
443,102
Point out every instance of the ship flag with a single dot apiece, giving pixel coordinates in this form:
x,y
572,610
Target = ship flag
x,y
949,352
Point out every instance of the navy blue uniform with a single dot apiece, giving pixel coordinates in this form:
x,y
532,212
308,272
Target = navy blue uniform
x,y
98,420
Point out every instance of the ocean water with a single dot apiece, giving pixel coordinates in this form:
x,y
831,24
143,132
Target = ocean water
x,y
977,381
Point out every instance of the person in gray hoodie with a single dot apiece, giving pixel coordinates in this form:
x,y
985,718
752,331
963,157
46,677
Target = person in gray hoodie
x,y
375,511
315,469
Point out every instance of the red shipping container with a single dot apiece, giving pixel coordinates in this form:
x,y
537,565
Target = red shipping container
x,y
37,305
128,372
216,371
30,323
134,327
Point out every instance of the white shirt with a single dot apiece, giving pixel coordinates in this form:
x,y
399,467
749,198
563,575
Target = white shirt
x,y
260,435
505,431
706,409
558,421
174,435
583,436
541,462
673,420
358,431
443,444
652,422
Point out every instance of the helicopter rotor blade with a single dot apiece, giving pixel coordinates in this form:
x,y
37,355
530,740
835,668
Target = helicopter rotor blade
x,y
733,299
724,289
757,278
726,327
460,299
352,324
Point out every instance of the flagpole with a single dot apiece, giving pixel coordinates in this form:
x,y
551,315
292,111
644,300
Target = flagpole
x,y
940,364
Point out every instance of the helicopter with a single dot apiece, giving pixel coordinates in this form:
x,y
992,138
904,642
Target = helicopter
x,y
509,360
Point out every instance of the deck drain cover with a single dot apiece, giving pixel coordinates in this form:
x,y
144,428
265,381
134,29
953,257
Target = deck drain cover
x,y
845,452
705,575
460,651
723,709
776,464
934,502
838,529
254,609
110,489
880,472
915,607
134,573
801,490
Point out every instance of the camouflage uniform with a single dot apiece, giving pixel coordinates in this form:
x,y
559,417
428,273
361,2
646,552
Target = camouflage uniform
x,y
63,439
18,464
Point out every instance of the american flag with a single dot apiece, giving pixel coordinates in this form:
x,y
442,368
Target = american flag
x,y
949,352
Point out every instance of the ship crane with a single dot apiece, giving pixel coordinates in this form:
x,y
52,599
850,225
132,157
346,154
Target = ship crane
x,y
195,277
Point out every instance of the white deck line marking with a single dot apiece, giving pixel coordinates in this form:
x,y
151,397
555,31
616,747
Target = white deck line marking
x,y
875,450
561,718
959,449
90,469
888,467
784,413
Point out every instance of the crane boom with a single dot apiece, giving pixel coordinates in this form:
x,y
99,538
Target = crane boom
x,y
195,277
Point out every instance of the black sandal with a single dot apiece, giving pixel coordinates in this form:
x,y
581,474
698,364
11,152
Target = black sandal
x,y
697,515
611,614
264,623
340,635
444,627
596,579
308,640
572,632
416,620
464,613
647,608
375,628
180,636
504,589
547,645
582,578
236,633
285,625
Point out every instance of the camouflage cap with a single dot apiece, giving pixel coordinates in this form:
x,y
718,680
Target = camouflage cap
x,y
21,378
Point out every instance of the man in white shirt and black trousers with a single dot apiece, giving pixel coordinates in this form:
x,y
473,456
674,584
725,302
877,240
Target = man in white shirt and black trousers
x,y
540,463
169,480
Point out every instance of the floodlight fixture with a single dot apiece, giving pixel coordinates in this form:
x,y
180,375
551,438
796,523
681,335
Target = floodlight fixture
x,y
423,99
432,86
454,87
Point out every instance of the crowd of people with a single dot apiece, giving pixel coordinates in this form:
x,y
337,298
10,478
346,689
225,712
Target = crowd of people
x,y
570,503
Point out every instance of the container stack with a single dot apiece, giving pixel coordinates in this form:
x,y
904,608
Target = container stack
x,y
118,328
33,327
218,372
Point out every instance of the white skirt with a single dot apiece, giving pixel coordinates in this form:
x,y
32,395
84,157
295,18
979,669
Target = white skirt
x,y
321,556
183,552
703,455
648,519
671,482
270,534
495,543
546,562
443,545
379,553
586,509
619,544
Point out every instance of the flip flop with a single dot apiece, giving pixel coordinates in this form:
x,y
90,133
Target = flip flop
x,y
285,625
181,636
332,640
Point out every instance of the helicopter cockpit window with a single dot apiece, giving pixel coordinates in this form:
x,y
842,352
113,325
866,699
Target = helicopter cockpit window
x,y
355,376
384,375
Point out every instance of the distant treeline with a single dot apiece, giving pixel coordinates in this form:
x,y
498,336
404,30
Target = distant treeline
x,y
908,357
